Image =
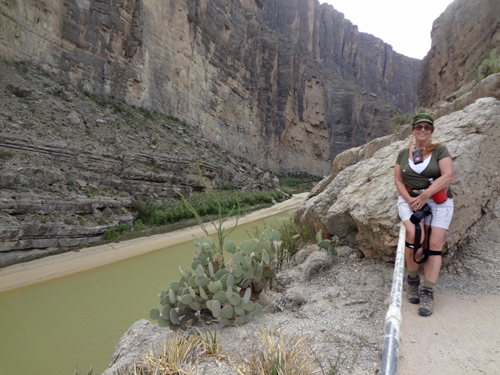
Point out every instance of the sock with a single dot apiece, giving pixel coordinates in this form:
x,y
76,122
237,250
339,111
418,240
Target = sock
x,y
429,284
413,274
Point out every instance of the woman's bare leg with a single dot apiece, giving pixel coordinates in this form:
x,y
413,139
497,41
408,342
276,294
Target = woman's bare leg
x,y
433,264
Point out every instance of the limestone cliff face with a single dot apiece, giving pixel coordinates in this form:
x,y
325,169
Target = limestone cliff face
x,y
462,37
288,84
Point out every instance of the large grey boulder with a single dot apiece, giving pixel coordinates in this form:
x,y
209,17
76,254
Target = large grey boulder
x,y
140,338
359,204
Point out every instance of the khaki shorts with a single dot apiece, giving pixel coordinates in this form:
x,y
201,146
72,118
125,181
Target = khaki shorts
x,y
442,213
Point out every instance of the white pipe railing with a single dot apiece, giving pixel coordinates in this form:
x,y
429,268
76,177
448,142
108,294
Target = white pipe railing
x,y
394,318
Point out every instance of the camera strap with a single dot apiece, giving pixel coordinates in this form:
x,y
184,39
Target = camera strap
x,y
417,245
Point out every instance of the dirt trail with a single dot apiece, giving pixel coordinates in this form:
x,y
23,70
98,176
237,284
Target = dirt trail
x,y
461,337
54,266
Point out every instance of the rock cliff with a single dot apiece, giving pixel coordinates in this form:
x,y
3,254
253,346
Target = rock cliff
x,y
73,165
359,204
462,37
286,84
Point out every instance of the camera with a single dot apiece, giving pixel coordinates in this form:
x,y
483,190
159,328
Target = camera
x,y
419,215
418,157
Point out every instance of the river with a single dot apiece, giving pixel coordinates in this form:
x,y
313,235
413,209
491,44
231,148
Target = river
x,y
71,323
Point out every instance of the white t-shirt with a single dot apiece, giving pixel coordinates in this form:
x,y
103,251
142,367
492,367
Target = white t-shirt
x,y
419,168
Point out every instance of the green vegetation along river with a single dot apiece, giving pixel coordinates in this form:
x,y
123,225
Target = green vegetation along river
x,y
73,322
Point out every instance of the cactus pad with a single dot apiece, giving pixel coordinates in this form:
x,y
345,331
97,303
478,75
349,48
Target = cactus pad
x,y
201,281
174,318
234,300
175,286
248,294
220,296
165,311
230,247
257,311
216,309
163,322
227,312
154,314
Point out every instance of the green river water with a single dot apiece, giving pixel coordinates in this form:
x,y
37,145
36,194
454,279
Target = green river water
x,y
68,324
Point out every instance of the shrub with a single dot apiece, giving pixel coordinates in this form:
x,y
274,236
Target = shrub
x,y
146,113
122,228
280,355
490,65
138,225
68,221
6,155
298,183
399,120
110,234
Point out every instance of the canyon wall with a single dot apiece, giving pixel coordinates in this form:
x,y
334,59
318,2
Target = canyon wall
x,y
288,84
462,37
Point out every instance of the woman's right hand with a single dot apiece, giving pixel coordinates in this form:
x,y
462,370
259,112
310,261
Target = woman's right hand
x,y
417,203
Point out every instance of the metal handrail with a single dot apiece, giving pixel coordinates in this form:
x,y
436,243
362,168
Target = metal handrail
x,y
394,318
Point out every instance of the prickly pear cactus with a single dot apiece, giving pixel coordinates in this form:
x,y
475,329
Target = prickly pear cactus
x,y
328,245
222,290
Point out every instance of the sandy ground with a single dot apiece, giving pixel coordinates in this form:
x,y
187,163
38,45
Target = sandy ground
x,y
461,337
39,270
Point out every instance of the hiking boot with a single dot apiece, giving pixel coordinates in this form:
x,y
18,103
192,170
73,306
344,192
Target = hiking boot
x,y
427,301
413,284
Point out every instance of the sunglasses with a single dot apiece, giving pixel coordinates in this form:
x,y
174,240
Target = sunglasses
x,y
420,127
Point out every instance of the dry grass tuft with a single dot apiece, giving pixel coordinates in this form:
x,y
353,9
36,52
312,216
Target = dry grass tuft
x,y
182,353
212,346
280,356
178,357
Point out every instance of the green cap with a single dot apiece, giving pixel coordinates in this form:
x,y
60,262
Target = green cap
x,y
423,117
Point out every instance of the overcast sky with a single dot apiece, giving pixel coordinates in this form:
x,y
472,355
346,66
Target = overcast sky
x,y
404,24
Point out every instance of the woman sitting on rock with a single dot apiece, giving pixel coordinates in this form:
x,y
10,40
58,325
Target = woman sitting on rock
x,y
422,175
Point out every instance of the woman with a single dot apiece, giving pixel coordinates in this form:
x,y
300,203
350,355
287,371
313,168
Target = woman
x,y
424,160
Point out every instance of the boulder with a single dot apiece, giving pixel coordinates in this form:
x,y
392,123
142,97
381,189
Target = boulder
x,y
74,118
141,337
359,204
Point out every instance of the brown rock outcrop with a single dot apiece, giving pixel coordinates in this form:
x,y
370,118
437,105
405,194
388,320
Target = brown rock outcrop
x,y
286,84
359,205
462,37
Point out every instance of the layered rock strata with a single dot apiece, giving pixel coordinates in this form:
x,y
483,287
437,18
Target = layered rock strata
x,y
359,204
73,166
286,84
88,193
462,37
